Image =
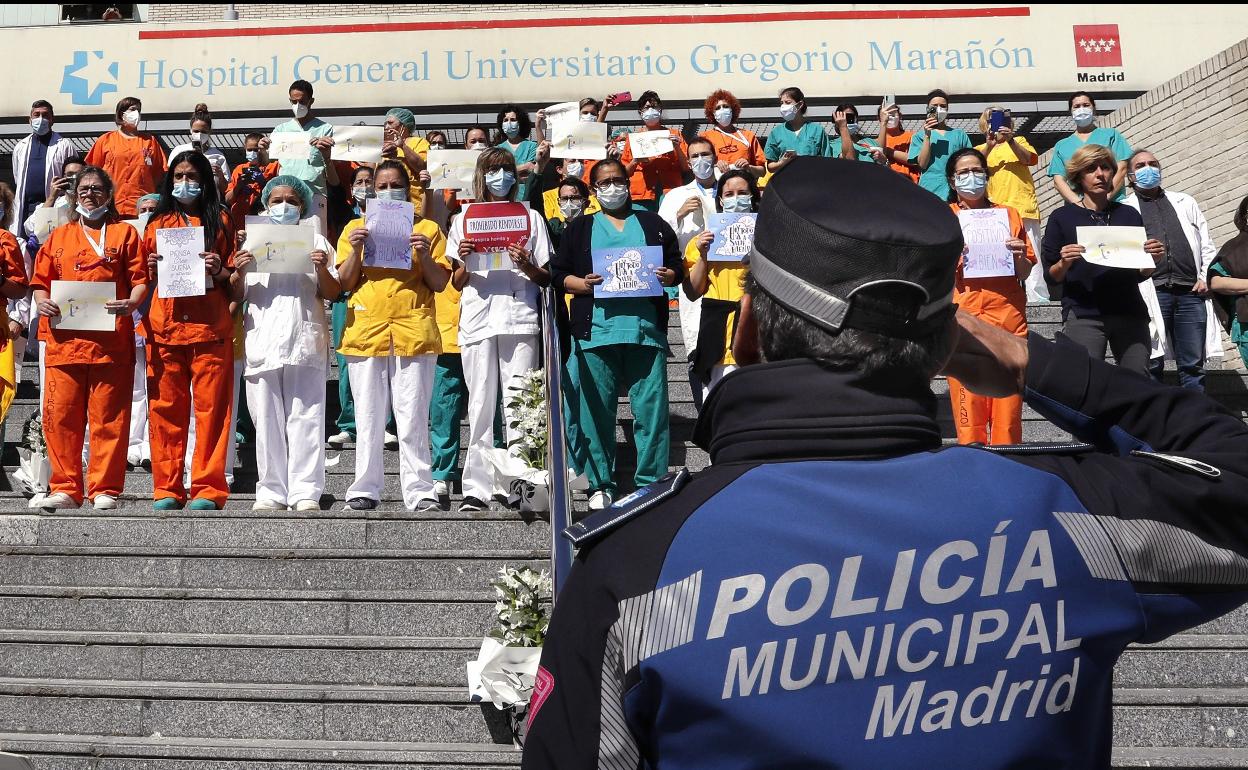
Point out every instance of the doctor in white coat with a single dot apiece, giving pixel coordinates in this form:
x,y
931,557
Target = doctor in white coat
x,y
33,186
498,317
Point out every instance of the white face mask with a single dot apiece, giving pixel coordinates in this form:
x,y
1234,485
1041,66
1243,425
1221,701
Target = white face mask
x,y
284,213
703,167
613,196
1083,116
300,109
788,111
588,117
942,113
893,121
571,209
392,194
202,138
131,118
737,204
573,168
39,126
478,145
723,116
437,146
651,116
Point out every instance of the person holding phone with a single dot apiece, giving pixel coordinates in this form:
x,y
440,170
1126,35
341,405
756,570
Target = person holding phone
x,y
1010,158
849,143
896,140
87,374
201,141
935,144
248,179
796,136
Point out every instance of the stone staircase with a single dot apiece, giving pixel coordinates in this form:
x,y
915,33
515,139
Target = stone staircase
x,y
241,640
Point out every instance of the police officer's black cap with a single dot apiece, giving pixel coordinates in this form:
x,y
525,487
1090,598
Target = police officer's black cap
x,y
831,231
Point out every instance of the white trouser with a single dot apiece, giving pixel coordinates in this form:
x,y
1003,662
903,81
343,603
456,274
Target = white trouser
x,y
508,356
320,205
1037,289
140,447
288,408
232,454
19,355
373,380
717,373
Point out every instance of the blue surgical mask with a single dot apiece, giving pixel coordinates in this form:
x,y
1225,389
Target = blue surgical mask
x,y
253,156
651,116
392,194
613,196
703,167
723,116
511,128
971,185
1083,116
500,182
853,128
284,214
361,193
39,126
738,204
186,192
788,111
93,215
1148,178
573,168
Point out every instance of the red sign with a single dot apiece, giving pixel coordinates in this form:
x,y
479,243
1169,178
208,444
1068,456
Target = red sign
x,y
543,686
495,226
1097,45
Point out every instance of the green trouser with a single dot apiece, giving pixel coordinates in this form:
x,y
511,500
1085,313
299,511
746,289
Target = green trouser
x,y
600,373
346,411
447,410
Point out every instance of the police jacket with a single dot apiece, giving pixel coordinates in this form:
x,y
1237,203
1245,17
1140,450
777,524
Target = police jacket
x,y
839,591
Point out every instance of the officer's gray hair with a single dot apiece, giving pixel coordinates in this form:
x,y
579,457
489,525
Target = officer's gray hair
x,y
783,335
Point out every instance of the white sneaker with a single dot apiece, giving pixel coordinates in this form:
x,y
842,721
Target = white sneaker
x,y
600,500
338,440
392,441
267,505
104,502
441,488
58,500
308,505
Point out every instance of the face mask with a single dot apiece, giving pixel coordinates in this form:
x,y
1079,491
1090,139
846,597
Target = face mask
x,y
393,194
588,117
511,128
788,111
941,114
187,191
853,128
131,118
571,209
360,193
300,109
253,156
437,146
651,116
893,121
738,204
39,126
202,138
94,215
1083,116
500,182
478,146
703,167
284,214
1148,178
573,168
613,197
971,185
723,116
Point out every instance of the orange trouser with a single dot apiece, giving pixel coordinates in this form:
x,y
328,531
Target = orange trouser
x,y
173,371
73,396
980,418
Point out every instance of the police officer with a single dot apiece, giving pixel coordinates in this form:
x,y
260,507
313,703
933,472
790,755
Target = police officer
x,y
838,589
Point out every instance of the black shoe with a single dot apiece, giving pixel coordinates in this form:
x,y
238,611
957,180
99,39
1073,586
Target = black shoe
x,y
361,503
473,504
427,505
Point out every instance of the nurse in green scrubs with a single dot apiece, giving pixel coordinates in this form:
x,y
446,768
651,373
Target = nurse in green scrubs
x,y
617,343
796,136
514,127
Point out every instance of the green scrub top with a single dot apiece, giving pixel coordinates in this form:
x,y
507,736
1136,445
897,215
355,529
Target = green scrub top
x,y
628,321
810,139
311,170
1105,137
944,144
525,152
834,148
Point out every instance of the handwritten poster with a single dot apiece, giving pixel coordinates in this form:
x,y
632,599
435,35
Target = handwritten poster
x,y
580,141
452,169
45,219
495,226
361,144
1115,247
280,248
734,236
82,305
290,145
650,144
628,272
561,114
985,232
389,241
180,270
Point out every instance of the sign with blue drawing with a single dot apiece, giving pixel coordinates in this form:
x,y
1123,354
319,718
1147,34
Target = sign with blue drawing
x,y
628,272
734,237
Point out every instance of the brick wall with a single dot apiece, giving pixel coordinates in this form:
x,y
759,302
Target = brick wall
x,y
1197,125
191,12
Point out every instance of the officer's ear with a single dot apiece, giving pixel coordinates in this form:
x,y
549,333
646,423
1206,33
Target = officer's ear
x,y
745,347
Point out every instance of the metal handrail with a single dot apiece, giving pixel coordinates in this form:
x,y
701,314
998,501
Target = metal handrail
x,y
556,447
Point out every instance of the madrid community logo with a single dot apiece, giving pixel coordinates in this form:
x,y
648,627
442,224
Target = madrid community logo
x,y
1098,46
89,77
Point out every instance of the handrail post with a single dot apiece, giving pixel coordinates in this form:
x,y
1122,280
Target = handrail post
x,y
556,447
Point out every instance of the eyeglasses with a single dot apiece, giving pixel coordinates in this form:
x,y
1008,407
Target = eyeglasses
x,y
967,173
618,181
573,199
92,190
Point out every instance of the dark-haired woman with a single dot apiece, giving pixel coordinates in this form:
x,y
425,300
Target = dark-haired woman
x,y
190,345
134,160
796,136
514,127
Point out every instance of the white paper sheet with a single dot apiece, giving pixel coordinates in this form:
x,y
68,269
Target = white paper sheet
x,y
650,144
985,232
281,248
82,305
389,226
290,145
361,144
452,169
581,141
180,271
1115,247
45,219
